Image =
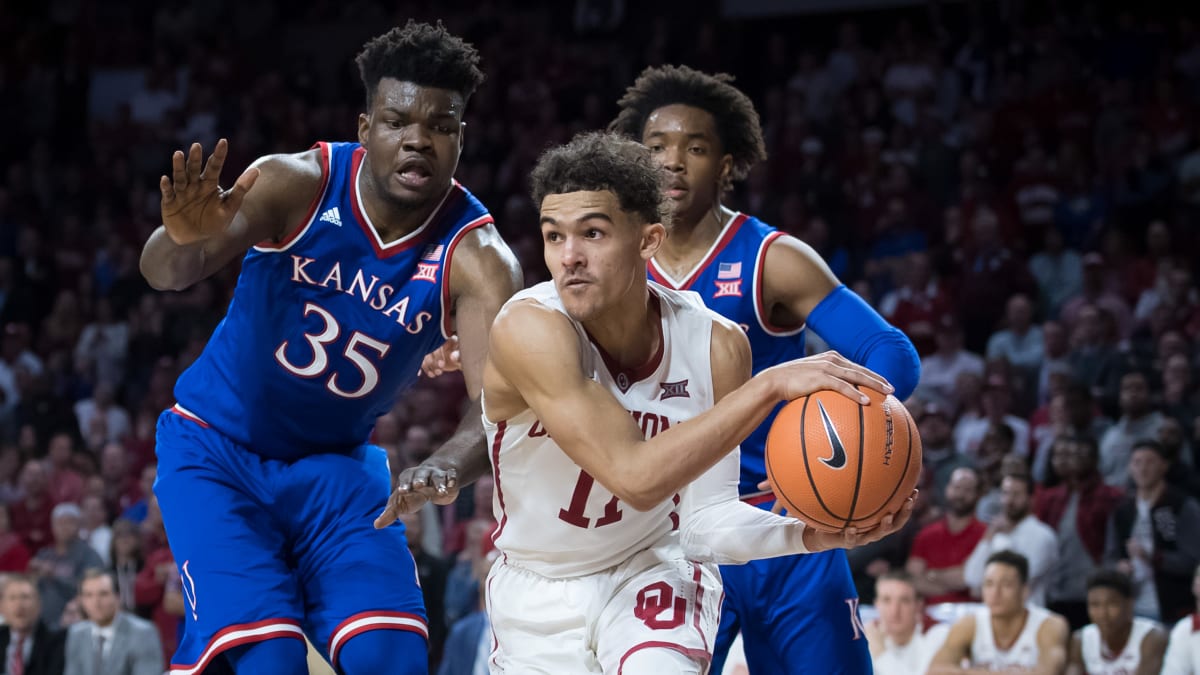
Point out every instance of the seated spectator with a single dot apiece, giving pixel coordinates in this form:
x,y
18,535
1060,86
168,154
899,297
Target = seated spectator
x,y
95,530
1004,635
1115,642
30,646
109,641
918,306
1077,509
432,572
938,457
1152,537
101,419
126,561
136,511
997,403
1096,292
59,567
903,639
158,589
1020,343
65,483
1139,420
941,548
1183,646
470,642
1072,413
940,370
1016,529
1058,271
31,516
14,556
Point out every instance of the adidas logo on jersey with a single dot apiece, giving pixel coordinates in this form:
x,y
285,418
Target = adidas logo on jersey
x,y
332,216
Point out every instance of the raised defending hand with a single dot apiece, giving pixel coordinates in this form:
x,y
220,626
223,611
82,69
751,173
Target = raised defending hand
x,y
828,370
444,359
426,482
194,207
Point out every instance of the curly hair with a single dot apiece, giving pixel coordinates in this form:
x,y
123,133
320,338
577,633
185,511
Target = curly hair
x,y
1104,578
738,126
425,54
597,161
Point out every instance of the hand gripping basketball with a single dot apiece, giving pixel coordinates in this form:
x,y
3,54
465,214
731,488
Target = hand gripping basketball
x,y
194,207
826,371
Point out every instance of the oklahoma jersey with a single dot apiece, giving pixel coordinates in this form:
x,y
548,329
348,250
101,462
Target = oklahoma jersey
x,y
555,519
1098,661
1183,648
329,324
1023,653
728,274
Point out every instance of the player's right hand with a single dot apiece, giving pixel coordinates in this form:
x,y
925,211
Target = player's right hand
x,y
444,359
426,482
825,371
194,207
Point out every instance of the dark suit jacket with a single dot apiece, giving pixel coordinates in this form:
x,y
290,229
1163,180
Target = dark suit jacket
x,y
49,651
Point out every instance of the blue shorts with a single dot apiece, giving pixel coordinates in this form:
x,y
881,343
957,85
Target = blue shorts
x,y
271,549
797,614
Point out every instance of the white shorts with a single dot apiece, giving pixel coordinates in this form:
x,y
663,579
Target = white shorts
x,y
654,610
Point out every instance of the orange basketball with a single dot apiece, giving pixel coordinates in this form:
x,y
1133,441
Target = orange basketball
x,y
836,464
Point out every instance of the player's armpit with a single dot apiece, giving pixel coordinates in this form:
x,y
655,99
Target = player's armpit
x,y
1154,648
795,279
948,659
1075,656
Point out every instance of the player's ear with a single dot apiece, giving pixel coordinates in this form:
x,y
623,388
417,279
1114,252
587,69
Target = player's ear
x,y
653,236
725,175
462,133
364,124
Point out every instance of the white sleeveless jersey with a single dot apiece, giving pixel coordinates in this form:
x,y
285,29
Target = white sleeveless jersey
x,y
1097,660
1023,653
1183,648
556,520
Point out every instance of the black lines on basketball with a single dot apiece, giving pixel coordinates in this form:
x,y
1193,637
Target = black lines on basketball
x,y
807,465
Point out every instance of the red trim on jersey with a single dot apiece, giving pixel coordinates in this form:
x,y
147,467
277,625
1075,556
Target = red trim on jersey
x,y
303,225
237,635
755,500
696,576
500,429
409,240
376,620
764,312
730,230
485,219
1196,623
658,644
637,373
188,415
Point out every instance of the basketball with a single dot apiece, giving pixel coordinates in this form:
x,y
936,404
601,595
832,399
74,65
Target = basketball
x,y
835,464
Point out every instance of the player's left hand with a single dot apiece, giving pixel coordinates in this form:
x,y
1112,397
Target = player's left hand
x,y
429,481
851,537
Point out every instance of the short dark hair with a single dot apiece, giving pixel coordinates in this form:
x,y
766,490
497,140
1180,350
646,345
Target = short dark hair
x,y
1022,476
1014,560
902,576
1106,578
738,126
427,55
596,161
97,573
1153,446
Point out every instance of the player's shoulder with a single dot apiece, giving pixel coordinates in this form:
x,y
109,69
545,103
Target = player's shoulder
x,y
531,312
1186,626
1051,622
293,177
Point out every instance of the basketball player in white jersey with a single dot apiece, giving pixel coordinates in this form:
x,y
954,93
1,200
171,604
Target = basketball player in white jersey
x,y
604,397
1183,650
1115,642
1005,636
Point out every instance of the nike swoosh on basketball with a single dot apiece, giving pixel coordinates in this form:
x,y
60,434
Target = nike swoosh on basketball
x,y
838,460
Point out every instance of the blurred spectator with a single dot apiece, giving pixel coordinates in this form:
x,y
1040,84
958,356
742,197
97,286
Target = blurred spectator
x,y
100,418
126,561
1058,271
997,402
1020,343
470,642
1096,293
30,645
158,590
989,275
110,642
102,347
941,548
903,639
1148,537
1078,510
95,529
919,304
1115,640
31,516
1138,421
1072,413
940,370
65,483
1183,646
938,456
432,572
60,566
14,556
1016,529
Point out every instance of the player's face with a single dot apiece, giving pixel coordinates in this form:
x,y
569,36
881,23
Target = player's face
x,y
1109,610
898,607
683,140
1003,592
413,137
596,252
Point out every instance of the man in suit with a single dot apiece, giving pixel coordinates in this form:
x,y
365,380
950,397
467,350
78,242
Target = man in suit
x,y
110,642
28,646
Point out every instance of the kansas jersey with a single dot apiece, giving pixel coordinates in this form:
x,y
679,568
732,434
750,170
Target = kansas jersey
x,y
725,277
555,519
1023,653
1098,660
327,326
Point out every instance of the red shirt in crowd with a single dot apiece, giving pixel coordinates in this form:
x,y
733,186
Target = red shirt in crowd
x,y
940,548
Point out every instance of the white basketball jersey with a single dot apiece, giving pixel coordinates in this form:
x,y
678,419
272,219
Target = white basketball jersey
x,y
1183,648
556,520
1097,660
1022,654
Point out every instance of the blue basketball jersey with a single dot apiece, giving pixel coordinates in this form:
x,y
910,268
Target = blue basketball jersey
x,y
729,279
327,326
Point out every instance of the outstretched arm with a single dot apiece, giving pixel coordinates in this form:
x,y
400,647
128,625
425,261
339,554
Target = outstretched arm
x,y
204,227
799,288
716,526
483,276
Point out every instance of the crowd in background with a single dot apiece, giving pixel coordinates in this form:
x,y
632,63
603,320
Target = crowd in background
x,y
1015,185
